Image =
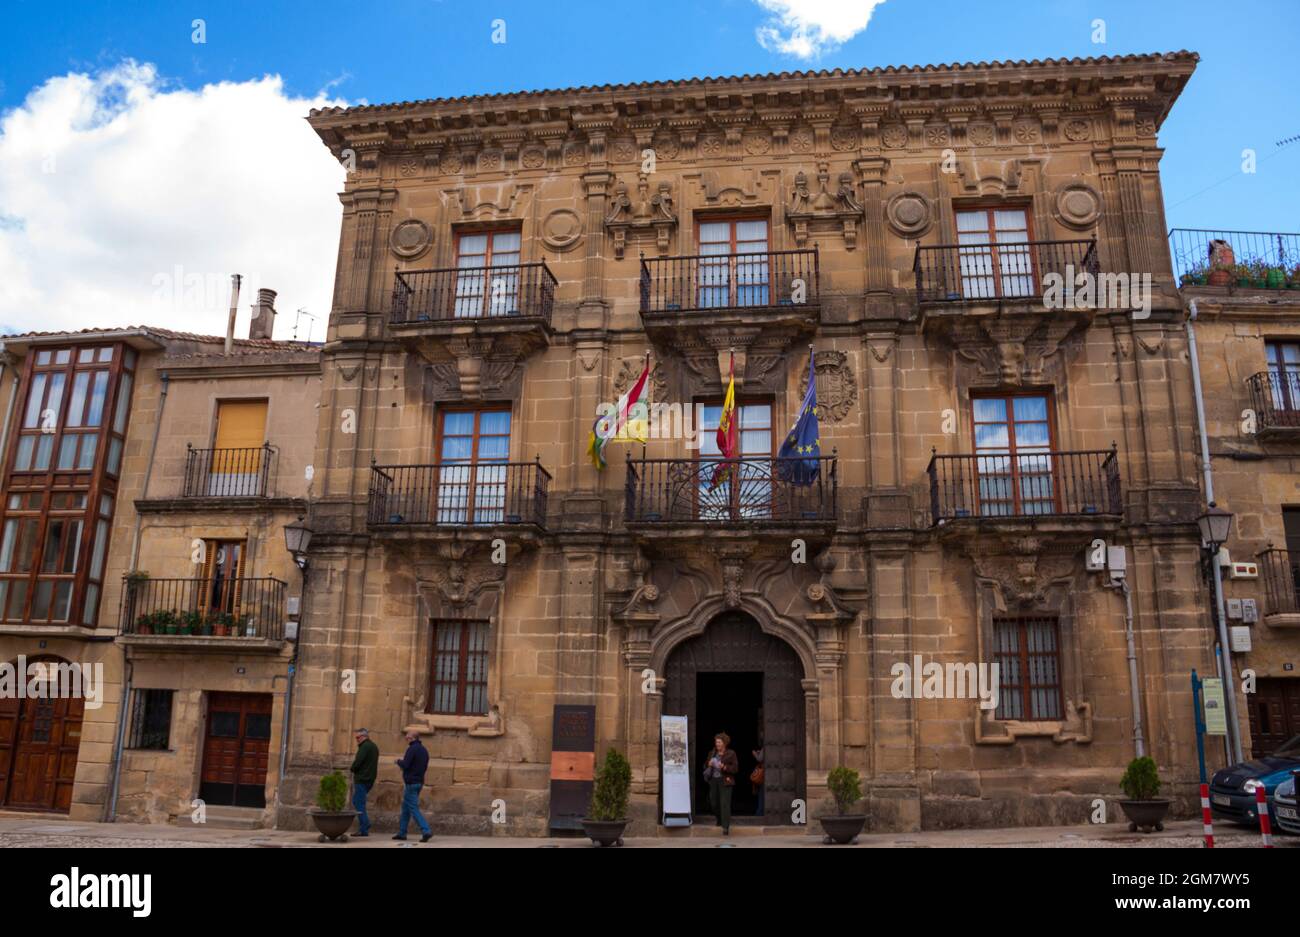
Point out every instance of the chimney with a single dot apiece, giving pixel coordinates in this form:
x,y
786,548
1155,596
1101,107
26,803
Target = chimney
x,y
263,321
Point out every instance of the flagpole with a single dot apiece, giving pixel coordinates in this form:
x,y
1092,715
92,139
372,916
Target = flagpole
x,y
649,381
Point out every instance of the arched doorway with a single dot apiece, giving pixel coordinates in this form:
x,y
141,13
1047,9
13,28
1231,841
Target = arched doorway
x,y
736,678
39,740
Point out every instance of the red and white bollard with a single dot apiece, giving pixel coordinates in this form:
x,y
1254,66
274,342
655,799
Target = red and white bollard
x,y
1206,819
1261,803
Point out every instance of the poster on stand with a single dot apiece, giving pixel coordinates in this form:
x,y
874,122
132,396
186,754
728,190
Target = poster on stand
x,y
675,745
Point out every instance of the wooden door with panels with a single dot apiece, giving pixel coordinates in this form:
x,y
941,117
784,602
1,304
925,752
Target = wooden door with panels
x,y
39,742
236,748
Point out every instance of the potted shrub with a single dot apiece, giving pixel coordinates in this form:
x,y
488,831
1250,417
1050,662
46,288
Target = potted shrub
x,y
144,624
331,816
1242,274
846,787
608,810
165,621
191,622
1259,274
1293,281
1141,784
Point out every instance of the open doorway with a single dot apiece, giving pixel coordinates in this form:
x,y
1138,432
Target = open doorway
x,y
731,703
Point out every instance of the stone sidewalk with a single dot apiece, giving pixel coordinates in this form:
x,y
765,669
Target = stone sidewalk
x,y
45,830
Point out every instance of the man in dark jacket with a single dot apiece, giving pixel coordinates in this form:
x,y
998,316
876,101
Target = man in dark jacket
x,y
365,768
413,764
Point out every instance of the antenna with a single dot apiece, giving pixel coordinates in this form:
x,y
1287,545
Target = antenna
x,y
302,311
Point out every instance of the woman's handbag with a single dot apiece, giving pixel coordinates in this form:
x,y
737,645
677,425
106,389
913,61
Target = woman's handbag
x,y
756,776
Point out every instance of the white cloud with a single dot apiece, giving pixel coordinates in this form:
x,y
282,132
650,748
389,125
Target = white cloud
x,y
127,200
807,28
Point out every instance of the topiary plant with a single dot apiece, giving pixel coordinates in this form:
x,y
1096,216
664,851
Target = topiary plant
x,y
613,784
845,786
1141,781
333,793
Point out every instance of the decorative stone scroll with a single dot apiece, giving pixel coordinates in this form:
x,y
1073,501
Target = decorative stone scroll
x,y
827,210
644,216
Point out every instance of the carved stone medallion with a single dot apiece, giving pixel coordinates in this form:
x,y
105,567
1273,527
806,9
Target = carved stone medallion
x,y
410,238
837,390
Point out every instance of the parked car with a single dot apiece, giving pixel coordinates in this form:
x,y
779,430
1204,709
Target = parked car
x,y
1284,806
1232,790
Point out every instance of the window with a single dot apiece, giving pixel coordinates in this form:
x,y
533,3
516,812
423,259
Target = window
x,y
473,448
1284,374
151,720
995,256
237,459
60,482
752,497
487,279
1013,444
223,571
1026,651
739,276
458,675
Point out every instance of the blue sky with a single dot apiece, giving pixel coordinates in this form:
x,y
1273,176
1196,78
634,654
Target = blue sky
x,y
1243,95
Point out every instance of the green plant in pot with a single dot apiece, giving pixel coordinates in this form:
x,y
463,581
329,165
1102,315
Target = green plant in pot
x,y
1242,274
191,622
1141,785
845,786
609,795
331,814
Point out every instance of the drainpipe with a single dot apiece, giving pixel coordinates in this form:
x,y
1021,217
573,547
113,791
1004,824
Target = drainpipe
x,y
120,741
1139,741
1234,728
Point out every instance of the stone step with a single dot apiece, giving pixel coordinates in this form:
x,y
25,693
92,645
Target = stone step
x,y
233,818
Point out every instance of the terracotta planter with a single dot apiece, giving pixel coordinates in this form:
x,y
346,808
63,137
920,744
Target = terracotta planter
x,y
333,826
1220,278
604,832
841,828
1145,815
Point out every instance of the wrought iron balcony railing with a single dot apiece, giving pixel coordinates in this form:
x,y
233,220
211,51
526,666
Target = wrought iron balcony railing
x,y
464,293
1275,398
1280,572
749,490
730,281
1258,259
213,607
954,273
458,495
1026,484
227,473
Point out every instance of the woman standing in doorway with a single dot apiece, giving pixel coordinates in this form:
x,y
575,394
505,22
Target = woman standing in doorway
x,y
720,771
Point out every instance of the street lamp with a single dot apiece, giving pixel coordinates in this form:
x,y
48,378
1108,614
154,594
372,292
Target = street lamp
x,y
297,537
1216,525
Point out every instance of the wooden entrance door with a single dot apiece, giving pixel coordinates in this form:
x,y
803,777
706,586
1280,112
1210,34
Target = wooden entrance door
x,y
235,749
733,643
39,740
1274,714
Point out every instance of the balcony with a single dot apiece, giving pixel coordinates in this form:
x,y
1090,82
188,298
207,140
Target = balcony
x,y
468,501
1003,305
227,473
1275,399
451,313
676,497
777,293
1229,262
203,614
1279,572
1027,487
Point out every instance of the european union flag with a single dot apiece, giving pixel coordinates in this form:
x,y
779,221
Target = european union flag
x,y
799,464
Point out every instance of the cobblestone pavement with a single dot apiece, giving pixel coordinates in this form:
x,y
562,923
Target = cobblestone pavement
x,y
28,832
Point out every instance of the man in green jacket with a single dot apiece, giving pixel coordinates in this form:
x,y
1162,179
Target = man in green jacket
x,y
365,768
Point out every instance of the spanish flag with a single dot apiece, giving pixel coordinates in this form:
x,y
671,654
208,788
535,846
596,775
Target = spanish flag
x,y
624,419
727,435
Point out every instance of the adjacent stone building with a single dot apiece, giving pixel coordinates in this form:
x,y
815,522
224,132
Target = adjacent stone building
x,y
507,263
148,477
1247,322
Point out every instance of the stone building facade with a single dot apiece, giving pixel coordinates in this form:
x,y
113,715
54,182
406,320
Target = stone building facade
x,y
507,262
168,532
1248,338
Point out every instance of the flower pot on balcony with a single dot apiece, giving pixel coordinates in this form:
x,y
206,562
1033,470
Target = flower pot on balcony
x,y
394,518
1275,279
1219,277
1243,281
